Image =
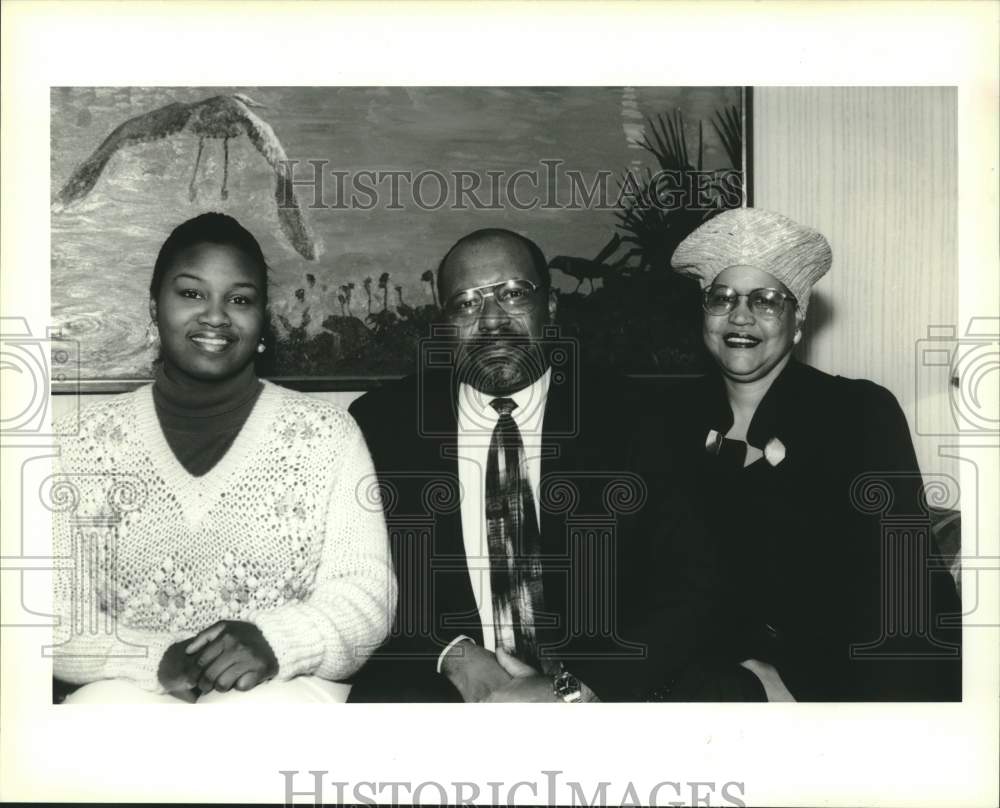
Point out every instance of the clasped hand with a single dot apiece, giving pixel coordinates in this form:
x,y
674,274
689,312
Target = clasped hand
x,y
525,685
229,654
479,675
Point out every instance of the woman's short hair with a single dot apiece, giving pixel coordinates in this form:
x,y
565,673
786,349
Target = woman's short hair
x,y
208,228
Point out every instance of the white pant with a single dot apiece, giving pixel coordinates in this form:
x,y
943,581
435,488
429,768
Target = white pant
x,y
300,690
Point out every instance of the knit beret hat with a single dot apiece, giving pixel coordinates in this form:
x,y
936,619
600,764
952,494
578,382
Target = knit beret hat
x,y
797,256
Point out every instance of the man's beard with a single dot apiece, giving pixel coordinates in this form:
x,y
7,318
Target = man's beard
x,y
500,365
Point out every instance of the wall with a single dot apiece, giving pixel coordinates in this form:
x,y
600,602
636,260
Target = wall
x,y
875,170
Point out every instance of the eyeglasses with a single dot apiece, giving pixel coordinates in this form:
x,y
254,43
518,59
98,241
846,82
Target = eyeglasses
x,y
767,303
515,296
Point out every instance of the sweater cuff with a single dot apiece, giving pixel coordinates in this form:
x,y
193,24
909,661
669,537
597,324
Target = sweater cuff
x,y
126,660
296,643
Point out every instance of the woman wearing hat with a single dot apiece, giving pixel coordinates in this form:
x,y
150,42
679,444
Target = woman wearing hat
x,y
811,484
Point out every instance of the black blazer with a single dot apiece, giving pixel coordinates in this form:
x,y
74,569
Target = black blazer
x,y
829,567
627,569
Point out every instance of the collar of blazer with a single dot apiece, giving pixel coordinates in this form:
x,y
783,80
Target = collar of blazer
x,y
777,416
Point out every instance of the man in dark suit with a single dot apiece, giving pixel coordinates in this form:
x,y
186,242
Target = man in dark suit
x,y
540,557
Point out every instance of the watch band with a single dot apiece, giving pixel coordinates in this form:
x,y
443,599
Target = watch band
x,y
566,686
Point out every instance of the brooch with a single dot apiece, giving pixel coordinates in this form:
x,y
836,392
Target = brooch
x,y
774,451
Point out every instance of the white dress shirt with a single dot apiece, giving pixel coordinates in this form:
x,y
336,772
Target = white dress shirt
x,y
476,421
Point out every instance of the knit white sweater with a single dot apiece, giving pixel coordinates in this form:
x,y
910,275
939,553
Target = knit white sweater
x,y
286,532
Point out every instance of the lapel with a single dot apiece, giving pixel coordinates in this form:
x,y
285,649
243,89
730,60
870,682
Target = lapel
x,y
437,434
562,407
561,440
796,420
776,413
777,416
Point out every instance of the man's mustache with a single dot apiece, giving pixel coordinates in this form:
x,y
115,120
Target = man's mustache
x,y
498,340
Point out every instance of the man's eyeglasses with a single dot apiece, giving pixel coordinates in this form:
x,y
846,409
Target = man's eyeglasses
x,y
767,303
515,296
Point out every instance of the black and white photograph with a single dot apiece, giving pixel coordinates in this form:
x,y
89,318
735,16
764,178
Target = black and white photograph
x,y
416,396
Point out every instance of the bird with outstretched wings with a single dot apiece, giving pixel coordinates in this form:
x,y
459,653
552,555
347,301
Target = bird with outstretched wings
x,y
219,117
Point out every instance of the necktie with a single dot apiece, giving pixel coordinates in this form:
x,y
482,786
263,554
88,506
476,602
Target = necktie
x,y
514,540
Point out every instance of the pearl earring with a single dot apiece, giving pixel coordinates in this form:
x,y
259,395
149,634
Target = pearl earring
x,y
261,347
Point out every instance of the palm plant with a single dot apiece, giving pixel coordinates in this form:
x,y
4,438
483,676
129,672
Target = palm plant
x,y
652,227
670,148
729,129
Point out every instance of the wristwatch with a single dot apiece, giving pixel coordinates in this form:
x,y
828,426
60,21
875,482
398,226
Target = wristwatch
x,y
566,686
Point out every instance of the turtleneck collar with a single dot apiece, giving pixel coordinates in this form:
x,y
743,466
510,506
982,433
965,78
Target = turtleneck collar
x,y
199,399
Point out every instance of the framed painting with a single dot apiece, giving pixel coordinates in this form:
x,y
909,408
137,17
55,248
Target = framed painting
x,y
356,193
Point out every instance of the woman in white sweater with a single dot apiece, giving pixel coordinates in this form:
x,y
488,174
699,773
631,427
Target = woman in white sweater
x,y
224,535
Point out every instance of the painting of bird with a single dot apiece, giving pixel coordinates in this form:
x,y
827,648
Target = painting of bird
x,y
220,117
586,269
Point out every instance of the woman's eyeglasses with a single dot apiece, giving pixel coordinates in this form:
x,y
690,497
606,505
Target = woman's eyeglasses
x,y
767,303
515,296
